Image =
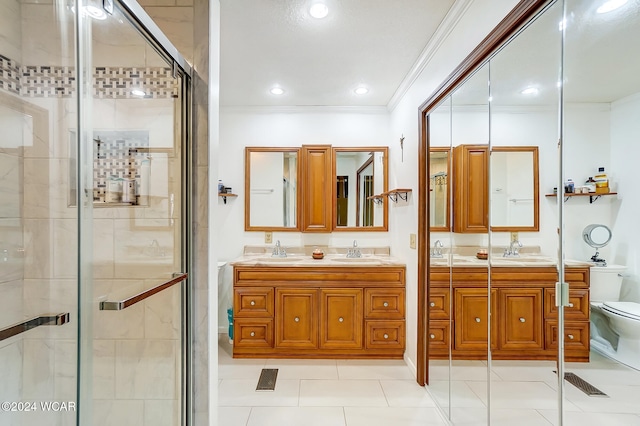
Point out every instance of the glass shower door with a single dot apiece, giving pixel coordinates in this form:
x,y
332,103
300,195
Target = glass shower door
x,y
134,166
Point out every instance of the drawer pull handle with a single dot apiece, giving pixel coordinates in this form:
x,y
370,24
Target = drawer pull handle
x,y
297,319
252,334
571,305
432,304
340,319
433,336
477,319
386,336
253,303
522,319
570,336
385,304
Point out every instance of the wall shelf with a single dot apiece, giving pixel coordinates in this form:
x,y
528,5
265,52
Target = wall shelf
x,y
224,196
593,196
377,199
394,194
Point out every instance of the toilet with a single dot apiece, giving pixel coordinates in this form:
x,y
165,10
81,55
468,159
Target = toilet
x,y
615,324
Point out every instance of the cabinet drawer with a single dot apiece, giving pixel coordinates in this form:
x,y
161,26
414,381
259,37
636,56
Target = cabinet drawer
x,y
438,337
385,335
439,303
251,302
576,335
253,333
578,308
384,303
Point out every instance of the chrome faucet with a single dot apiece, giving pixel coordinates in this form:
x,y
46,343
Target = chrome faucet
x,y
278,250
436,251
354,251
513,250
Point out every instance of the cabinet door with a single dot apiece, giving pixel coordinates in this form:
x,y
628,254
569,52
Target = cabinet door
x,y
470,320
296,318
521,320
341,319
316,188
471,171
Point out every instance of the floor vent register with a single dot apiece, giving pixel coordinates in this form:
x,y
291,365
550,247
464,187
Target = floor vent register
x,y
583,385
267,380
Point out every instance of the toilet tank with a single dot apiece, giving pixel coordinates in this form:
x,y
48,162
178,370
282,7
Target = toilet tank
x,y
605,283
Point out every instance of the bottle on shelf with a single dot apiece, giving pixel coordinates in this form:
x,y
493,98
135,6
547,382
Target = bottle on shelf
x,y
602,181
569,186
591,184
220,187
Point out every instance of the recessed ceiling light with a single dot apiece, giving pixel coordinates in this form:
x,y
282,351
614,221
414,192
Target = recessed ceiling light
x,y
138,92
319,10
276,91
361,90
530,91
610,5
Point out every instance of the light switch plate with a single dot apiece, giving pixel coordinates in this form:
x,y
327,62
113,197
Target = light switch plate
x,y
514,236
268,237
412,241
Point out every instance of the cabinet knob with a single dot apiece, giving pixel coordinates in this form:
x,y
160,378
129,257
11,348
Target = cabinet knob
x,y
433,336
570,336
252,334
477,319
297,319
432,304
385,304
386,336
571,305
522,319
253,303
340,319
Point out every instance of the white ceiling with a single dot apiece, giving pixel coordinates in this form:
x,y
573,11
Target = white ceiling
x,y
374,43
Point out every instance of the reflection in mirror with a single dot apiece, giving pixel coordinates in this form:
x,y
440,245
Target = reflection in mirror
x,y
439,188
360,174
271,185
514,189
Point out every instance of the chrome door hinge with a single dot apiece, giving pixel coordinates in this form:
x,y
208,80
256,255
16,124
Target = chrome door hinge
x,y
562,294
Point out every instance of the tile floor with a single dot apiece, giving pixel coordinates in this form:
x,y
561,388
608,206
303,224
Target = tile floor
x,y
383,393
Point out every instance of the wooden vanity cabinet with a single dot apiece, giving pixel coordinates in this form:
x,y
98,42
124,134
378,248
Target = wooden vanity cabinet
x,y
317,185
330,312
524,315
471,201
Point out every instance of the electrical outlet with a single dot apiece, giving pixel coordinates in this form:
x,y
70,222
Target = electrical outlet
x,y
514,236
268,237
412,241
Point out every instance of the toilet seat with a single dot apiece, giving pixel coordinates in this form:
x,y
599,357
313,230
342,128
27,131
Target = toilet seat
x,y
629,310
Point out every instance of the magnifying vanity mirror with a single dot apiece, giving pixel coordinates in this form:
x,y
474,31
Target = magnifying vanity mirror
x,y
360,174
597,236
271,185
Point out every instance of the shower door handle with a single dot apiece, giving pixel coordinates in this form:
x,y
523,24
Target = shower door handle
x,y
177,277
21,327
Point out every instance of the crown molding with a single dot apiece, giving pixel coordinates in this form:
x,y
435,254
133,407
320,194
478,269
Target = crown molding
x,y
295,109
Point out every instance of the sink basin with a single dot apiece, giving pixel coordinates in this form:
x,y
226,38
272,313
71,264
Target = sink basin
x,y
278,259
355,259
525,259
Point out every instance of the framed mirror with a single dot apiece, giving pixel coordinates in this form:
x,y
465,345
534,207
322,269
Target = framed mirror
x,y
271,189
439,165
514,195
360,174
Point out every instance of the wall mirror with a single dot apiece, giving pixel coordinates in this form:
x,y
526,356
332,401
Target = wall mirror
x,y
359,175
271,188
514,196
439,160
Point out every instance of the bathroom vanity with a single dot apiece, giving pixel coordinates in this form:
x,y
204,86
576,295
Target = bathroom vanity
x,y
335,307
524,315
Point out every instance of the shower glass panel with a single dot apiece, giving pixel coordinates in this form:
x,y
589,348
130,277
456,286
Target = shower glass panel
x,y
92,185
38,230
137,194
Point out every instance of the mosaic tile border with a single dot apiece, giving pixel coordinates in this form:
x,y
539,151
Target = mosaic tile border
x,y
39,81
